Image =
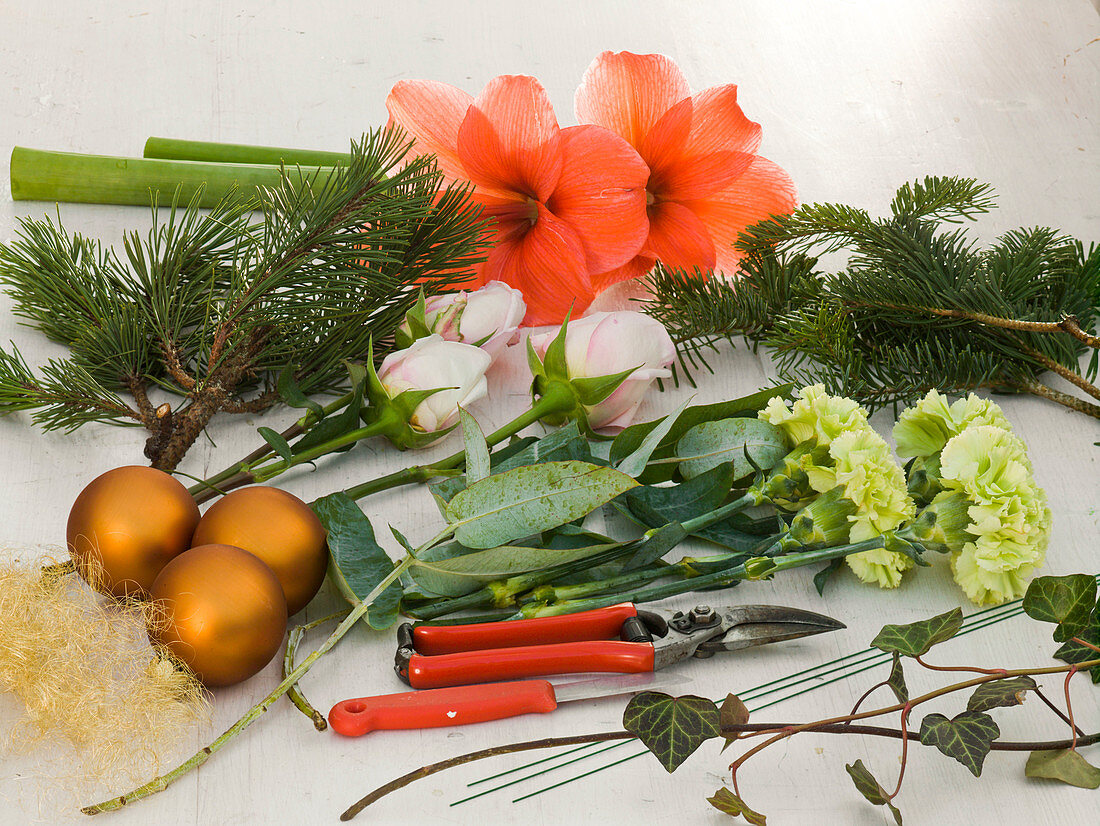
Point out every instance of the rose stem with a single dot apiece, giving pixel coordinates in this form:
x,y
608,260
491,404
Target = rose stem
x,y
294,693
745,728
159,784
38,175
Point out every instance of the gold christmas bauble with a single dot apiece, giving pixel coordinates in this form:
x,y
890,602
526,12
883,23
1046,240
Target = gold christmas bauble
x,y
126,525
224,613
280,529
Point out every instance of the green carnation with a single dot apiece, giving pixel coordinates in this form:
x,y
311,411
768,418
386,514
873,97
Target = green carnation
x,y
879,566
1009,521
924,429
815,417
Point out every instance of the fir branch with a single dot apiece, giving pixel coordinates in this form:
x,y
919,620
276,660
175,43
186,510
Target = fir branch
x,y
916,306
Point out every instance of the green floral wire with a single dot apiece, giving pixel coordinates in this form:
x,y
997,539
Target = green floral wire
x,y
802,679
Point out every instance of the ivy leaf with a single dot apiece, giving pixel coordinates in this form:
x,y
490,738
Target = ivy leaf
x,y
870,788
671,727
1073,652
732,713
726,801
896,680
356,561
527,500
1066,765
999,693
277,442
1065,600
750,444
477,450
914,639
967,737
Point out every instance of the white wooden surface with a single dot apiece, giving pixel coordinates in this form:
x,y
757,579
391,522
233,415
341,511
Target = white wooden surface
x,y
854,98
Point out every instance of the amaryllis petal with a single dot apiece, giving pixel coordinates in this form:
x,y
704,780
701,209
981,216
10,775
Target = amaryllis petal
x,y
765,189
678,238
547,264
636,267
601,194
627,93
509,139
701,145
431,113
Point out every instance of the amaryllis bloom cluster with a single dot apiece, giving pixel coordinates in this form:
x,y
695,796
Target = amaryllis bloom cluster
x,y
653,173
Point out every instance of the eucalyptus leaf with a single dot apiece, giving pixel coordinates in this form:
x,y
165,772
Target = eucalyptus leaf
x,y
914,639
725,801
357,562
567,442
470,571
630,438
530,499
636,462
999,693
477,450
967,737
871,789
1066,765
749,444
656,505
656,544
671,727
1066,600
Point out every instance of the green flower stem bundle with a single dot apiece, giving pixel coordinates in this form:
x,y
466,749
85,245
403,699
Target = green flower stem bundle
x,y
286,282
918,306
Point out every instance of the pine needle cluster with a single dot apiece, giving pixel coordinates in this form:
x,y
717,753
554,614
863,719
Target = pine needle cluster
x,y
918,305
215,306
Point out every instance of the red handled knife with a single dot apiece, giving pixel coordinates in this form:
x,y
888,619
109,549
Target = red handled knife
x,y
458,705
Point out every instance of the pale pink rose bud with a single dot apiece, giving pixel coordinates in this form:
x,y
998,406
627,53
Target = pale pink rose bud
x,y
487,318
431,363
603,344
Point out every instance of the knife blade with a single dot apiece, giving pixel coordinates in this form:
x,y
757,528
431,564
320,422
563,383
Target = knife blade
x,y
458,705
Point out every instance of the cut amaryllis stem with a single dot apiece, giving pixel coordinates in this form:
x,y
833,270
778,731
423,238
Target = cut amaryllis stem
x,y
240,153
39,175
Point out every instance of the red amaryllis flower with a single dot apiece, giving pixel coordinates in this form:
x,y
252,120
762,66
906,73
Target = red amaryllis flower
x,y
706,182
568,203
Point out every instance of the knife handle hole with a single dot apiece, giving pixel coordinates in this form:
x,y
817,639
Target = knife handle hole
x,y
354,707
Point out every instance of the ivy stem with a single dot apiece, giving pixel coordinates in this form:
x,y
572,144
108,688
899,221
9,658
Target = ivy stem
x,y
867,694
603,737
159,784
1080,641
904,748
1069,705
1061,716
940,692
965,668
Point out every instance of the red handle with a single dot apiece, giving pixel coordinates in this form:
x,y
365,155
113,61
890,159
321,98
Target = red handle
x,y
442,707
601,624
465,667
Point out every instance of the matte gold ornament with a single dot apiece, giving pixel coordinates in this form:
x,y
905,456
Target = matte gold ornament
x,y
280,529
225,613
126,525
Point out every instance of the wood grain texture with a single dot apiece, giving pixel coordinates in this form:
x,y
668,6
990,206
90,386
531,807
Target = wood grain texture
x,y
854,99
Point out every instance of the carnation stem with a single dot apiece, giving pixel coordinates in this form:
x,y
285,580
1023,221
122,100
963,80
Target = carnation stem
x,y
158,784
38,175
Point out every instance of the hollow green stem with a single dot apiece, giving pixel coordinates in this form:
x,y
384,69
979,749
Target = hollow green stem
x,y
38,175
239,153
159,784
294,693
753,569
718,514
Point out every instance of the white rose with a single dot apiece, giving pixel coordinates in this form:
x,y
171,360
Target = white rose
x,y
487,318
431,363
603,344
